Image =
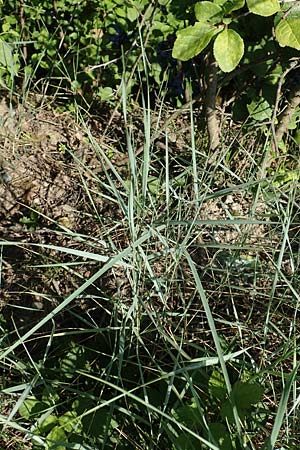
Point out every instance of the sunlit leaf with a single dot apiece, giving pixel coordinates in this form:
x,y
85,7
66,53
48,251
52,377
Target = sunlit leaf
x,y
287,32
208,11
263,7
228,49
192,40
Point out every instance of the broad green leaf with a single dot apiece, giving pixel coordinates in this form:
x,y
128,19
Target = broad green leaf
x,y
154,185
228,49
47,425
221,435
75,359
247,394
132,14
287,32
189,415
32,408
6,55
69,422
226,412
98,423
230,5
56,438
260,109
192,40
208,11
185,442
263,8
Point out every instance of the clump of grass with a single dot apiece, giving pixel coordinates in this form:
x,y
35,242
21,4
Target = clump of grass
x,y
191,340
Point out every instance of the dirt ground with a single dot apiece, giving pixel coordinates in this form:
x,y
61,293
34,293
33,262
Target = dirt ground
x,y
44,200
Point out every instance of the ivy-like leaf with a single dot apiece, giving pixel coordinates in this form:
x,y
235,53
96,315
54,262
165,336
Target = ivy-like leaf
x,y
287,32
192,40
263,8
228,49
208,11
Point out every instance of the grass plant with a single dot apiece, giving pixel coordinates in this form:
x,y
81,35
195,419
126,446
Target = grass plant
x,y
190,341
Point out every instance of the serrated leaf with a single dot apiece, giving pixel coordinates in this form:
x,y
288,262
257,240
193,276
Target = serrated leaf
x,y
192,40
208,11
287,32
247,394
228,49
263,8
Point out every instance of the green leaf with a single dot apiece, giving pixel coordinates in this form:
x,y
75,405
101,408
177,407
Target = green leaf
x,y
263,8
260,109
185,442
208,11
228,49
132,14
221,435
154,185
287,32
98,423
216,385
6,55
32,408
74,360
247,394
297,137
192,40
189,415
69,422
230,5
47,424
55,437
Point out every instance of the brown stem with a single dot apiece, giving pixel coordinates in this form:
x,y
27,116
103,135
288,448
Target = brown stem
x,y
293,64
212,121
286,115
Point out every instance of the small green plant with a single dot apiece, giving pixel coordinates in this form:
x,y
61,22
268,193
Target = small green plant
x,y
246,396
31,220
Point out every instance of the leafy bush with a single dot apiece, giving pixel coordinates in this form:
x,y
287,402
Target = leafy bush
x,y
82,48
